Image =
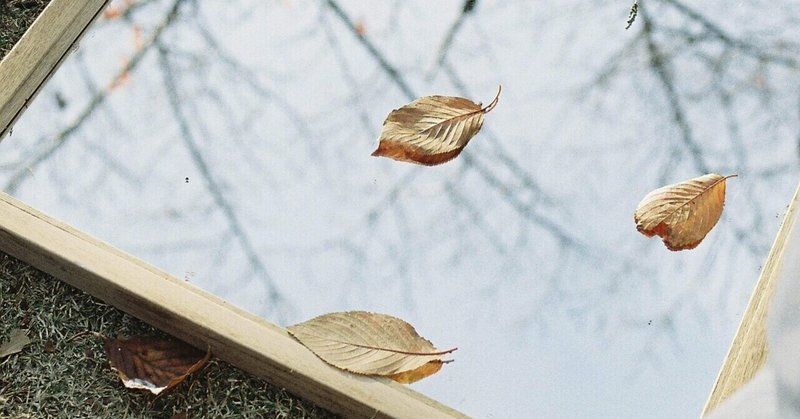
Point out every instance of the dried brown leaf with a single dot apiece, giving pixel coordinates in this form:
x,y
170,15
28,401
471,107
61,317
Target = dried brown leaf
x,y
153,363
432,129
371,344
426,370
17,340
682,213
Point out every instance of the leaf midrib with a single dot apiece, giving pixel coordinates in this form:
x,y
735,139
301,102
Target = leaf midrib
x,y
397,351
724,178
448,120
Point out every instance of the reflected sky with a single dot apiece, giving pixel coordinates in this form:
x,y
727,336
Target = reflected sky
x,y
235,153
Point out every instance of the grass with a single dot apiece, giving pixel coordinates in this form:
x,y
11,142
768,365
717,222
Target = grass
x,y
58,377
15,17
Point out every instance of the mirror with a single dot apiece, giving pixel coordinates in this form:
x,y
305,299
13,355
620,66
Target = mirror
x,y
229,144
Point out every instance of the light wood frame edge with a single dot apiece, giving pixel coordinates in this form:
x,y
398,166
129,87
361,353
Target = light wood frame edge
x,y
748,351
36,56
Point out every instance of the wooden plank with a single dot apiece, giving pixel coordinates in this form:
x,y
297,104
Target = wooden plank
x,y
42,48
748,352
200,318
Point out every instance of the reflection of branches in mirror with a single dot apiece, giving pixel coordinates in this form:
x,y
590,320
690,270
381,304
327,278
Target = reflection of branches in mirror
x,y
98,98
660,53
660,64
657,61
447,42
681,40
397,220
525,180
399,80
736,71
475,215
759,52
392,72
511,186
264,95
277,302
349,77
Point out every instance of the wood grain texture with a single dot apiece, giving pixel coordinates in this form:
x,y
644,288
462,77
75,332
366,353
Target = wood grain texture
x,y
202,319
39,52
748,352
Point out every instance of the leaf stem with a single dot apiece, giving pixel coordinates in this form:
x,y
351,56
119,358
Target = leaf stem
x,y
400,351
493,103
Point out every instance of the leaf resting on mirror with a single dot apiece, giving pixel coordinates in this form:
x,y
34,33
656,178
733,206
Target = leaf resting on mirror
x,y
682,213
432,129
153,363
371,344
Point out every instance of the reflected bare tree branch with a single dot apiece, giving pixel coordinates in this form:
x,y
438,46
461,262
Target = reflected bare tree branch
x,y
278,303
758,52
63,136
447,42
660,66
550,226
677,93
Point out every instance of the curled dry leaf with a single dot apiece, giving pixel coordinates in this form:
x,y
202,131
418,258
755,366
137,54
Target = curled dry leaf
x,y
17,340
426,370
371,344
682,213
153,363
432,129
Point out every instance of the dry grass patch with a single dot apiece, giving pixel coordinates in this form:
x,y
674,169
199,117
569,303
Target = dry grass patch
x,y
58,377
15,18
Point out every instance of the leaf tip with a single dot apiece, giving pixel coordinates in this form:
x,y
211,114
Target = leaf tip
x,y
685,246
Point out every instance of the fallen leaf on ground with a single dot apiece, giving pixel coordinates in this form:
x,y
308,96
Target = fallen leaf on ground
x,y
432,129
153,363
371,344
682,213
17,340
